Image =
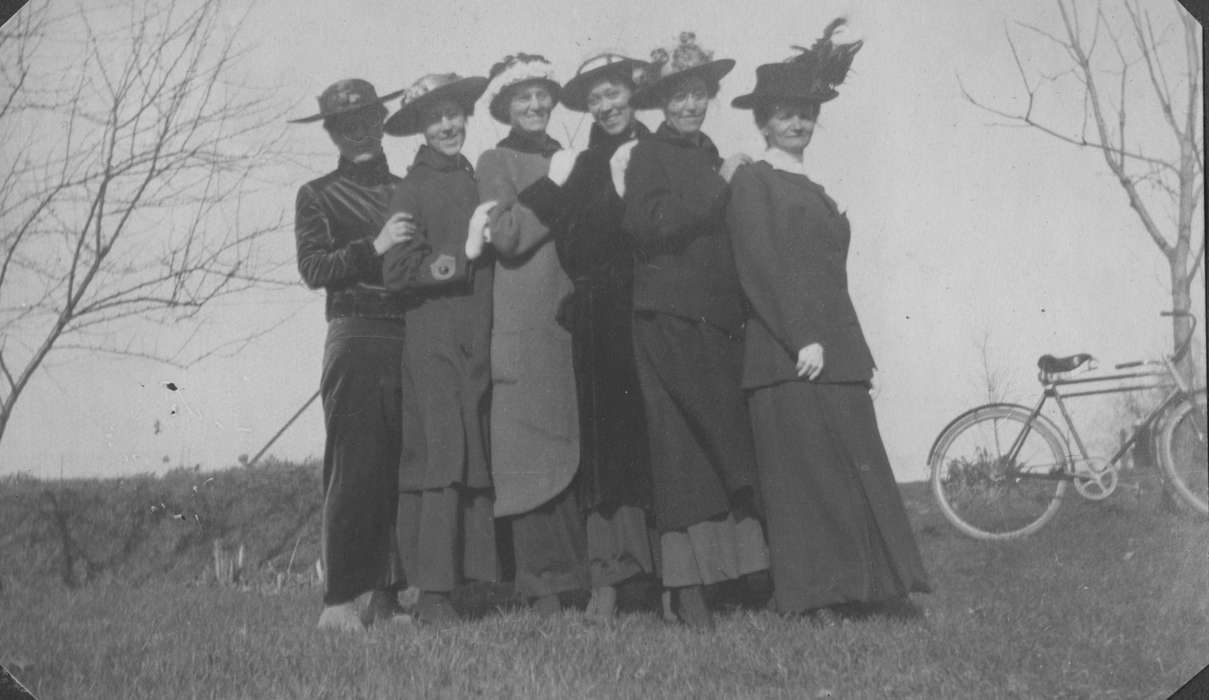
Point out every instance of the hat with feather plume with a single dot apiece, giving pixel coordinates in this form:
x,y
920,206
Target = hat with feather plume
x,y
811,74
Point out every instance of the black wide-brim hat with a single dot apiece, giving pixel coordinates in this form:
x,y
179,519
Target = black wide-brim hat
x,y
652,94
609,67
429,90
785,81
345,96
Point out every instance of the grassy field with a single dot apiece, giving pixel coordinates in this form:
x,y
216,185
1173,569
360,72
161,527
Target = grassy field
x,y
1108,601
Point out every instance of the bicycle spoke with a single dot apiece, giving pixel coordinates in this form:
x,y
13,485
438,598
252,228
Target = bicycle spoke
x,y
989,493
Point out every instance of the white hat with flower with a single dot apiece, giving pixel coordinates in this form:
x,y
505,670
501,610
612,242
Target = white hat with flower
x,y
513,71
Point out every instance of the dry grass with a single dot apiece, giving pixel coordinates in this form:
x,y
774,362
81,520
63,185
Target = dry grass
x,y
1109,601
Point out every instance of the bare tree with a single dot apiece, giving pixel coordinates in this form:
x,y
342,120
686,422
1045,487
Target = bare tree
x,y
1140,81
126,149
994,382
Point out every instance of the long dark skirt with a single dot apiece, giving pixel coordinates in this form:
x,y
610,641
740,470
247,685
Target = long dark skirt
x,y
700,440
550,547
614,469
835,520
447,536
362,411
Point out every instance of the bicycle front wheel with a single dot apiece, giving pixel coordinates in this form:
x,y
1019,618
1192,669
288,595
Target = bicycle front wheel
x,y
1182,453
986,489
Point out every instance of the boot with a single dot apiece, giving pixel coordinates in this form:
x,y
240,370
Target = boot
x,y
341,618
434,608
691,607
547,605
384,607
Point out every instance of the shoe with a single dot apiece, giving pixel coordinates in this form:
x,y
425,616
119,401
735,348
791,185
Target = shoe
x,y
547,605
691,607
434,608
341,618
384,606
603,603
826,618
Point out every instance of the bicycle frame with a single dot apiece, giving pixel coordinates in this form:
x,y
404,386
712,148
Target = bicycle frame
x,y
1156,378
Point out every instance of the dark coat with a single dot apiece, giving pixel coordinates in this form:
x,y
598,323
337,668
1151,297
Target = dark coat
x,y
791,249
675,210
336,220
447,365
586,215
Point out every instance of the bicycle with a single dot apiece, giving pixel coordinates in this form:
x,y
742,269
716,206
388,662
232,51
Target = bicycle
x,y
1000,471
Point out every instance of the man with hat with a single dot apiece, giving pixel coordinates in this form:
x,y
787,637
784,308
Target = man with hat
x,y
446,525
342,231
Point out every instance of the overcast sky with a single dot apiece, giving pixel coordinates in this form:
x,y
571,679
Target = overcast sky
x,y
962,230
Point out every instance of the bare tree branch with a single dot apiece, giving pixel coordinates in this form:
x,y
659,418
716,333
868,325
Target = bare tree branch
x,y
112,219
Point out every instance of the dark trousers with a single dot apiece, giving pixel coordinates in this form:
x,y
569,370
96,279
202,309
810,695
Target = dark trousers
x,y
363,415
700,438
550,547
837,529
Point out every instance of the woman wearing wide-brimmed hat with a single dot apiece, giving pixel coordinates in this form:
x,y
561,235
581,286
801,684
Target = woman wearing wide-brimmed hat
x,y
836,524
688,337
577,201
342,230
534,421
445,522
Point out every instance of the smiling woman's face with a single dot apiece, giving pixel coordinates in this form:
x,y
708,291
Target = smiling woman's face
x,y
445,127
609,105
529,107
686,106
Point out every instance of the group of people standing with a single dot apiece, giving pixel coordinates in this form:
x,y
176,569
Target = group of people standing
x,y
636,359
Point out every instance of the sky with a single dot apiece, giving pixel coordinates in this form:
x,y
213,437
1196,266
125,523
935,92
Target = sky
x,y
974,244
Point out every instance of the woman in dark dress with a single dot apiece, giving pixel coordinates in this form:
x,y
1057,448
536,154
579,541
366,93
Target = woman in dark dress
x,y
688,337
577,201
445,523
342,231
835,520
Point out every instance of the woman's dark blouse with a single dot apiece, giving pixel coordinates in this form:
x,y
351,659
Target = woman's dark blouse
x,y
336,218
585,215
791,248
675,210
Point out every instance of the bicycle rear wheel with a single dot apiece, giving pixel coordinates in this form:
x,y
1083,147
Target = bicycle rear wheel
x,y
985,492
1182,453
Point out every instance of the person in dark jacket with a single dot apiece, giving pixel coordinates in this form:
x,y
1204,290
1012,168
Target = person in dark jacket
x,y
534,417
445,524
688,338
342,230
836,524
577,201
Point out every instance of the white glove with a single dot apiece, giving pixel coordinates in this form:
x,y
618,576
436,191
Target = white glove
x,y
478,233
618,164
561,164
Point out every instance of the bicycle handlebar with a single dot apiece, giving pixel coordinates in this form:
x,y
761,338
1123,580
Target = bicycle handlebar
x,y
1182,348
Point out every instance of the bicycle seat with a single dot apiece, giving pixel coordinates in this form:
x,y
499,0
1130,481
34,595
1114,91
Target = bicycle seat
x,y
1048,364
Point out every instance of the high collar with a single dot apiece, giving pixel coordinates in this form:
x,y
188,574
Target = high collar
x,y
374,171
783,161
433,158
601,139
524,142
696,139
